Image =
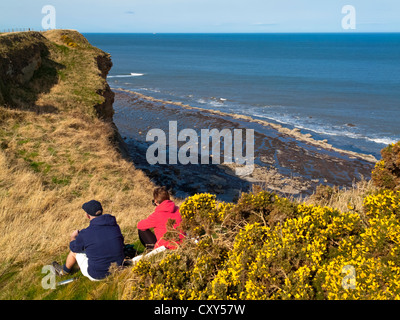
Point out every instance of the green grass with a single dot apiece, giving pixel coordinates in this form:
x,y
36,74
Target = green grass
x,y
36,166
61,181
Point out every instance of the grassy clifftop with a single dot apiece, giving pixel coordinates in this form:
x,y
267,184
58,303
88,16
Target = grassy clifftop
x,y
58,149
52,72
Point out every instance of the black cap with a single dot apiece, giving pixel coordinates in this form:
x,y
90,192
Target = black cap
x,y
92,207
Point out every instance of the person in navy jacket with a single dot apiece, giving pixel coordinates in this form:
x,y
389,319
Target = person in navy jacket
x,y
96,247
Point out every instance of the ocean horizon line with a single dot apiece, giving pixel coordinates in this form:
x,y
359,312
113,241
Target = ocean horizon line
x,y
255,33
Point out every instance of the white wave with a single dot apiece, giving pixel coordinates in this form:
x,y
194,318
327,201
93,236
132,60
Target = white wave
x,y
384,140
352,135
279,120
126,75
202,101
148,89
213,102
325,131
216,104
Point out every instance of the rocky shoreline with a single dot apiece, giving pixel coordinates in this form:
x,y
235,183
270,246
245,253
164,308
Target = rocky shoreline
x,y
286,161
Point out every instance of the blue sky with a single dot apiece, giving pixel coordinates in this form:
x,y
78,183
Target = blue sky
x,y
204,15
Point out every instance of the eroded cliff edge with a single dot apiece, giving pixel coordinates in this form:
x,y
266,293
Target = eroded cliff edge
x,y
56,71
33,63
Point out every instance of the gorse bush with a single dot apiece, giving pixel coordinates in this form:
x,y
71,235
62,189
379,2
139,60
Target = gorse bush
x,y
67,40
200,214
269,247
280,250
280,262
263,207
373,252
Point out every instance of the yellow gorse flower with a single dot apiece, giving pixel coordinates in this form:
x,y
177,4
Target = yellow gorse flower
x,y
300,257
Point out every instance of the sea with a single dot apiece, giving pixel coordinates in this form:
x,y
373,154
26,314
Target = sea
x,y
341,87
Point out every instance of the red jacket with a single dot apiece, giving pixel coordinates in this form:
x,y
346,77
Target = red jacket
x,y
158,220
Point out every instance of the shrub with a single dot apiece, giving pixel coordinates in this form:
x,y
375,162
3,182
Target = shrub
x,y
163,280
229,283
386,173
67,40
201,214
374,254
299,254
323,194
280,262
262,207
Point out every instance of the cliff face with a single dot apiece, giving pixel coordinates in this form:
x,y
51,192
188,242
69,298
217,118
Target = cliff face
x,y
21,55
105,110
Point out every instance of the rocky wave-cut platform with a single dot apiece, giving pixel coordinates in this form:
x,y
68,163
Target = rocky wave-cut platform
x,y
286,161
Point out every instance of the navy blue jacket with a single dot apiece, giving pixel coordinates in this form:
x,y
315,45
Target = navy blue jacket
x,y
103,244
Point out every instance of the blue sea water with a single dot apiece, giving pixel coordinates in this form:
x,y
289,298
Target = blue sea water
x,y
341,87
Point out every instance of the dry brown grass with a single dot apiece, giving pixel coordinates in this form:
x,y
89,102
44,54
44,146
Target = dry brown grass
x,y
40,208
50,164
344,199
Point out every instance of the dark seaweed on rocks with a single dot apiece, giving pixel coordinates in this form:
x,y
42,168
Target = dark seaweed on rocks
x,y
283,164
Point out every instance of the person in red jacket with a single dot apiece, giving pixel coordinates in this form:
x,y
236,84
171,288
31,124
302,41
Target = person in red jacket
x,y
165,210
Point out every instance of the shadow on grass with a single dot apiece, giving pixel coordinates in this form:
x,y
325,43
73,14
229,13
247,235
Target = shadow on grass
x,y
27,71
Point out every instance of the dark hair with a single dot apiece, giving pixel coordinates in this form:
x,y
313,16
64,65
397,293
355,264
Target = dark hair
x,y
160,194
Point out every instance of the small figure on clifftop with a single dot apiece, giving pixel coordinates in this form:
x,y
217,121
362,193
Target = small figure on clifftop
x,y
96,247
165,220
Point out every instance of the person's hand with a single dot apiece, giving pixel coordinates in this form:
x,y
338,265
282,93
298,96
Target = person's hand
x,y
74,234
